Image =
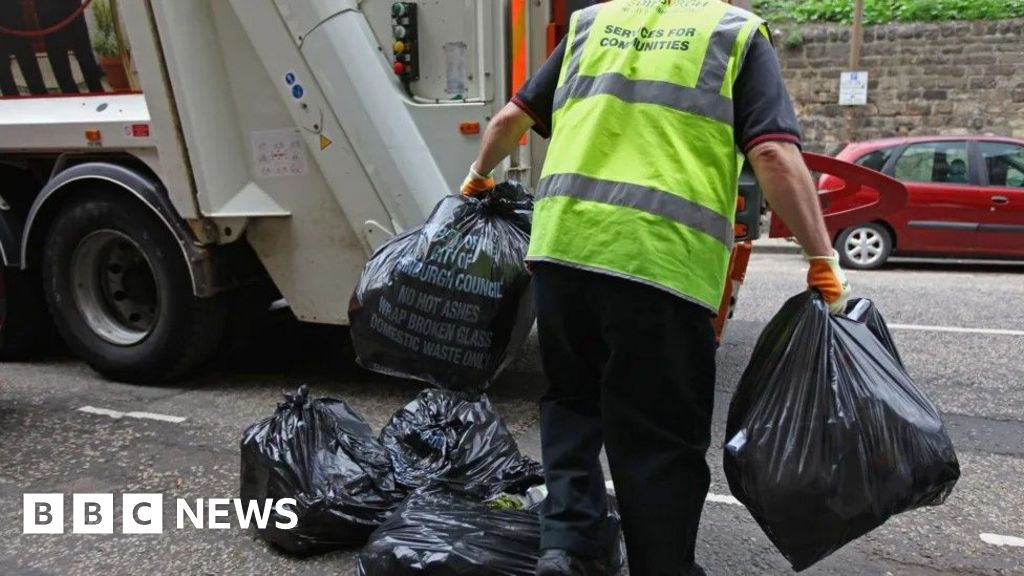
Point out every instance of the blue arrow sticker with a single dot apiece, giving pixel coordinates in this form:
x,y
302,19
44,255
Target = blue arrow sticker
x,y
289,78
298,91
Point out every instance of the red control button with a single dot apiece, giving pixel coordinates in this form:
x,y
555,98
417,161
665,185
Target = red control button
x,y
399,68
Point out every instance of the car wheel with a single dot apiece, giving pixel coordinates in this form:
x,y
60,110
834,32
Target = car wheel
x,y
864,247
120,292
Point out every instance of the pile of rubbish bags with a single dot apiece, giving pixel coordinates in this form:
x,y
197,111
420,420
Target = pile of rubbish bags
x,y
348,481
446,303
443,489
827,435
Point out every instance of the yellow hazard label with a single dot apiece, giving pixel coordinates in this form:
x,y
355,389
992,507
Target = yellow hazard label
x,y
325,142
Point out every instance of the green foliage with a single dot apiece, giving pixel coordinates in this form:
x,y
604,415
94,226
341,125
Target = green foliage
x,y
882,11
106,46
794,40
104,41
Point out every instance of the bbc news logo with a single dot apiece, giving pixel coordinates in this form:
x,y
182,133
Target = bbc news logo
x,y
144,513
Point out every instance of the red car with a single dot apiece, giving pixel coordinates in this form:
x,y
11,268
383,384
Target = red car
x,y
965,198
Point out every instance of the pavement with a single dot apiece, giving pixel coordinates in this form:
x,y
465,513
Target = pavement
x,y
958,327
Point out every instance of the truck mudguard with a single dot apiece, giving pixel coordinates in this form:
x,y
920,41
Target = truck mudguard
x,y
134,184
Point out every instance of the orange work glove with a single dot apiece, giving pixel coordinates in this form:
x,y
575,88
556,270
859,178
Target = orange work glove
x,y
477,184
828,278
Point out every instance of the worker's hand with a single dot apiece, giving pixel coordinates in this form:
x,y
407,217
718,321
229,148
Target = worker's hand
x,y
477,184
828,278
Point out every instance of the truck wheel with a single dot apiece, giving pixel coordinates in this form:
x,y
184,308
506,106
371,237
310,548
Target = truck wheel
x,y
864,247
25,328
120,293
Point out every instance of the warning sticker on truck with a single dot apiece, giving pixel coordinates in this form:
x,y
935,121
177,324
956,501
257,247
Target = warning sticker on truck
x,y
278,153
136,130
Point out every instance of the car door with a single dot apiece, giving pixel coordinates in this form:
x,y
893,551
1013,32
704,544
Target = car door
x,y
943,212
1002,229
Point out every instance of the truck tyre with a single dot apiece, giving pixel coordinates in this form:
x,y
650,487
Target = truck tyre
x,y
120,294
864,247
25,328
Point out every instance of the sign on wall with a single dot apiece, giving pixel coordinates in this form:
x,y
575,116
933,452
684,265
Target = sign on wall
x,y
853,89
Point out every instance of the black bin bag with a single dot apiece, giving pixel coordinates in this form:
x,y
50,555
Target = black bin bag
x,y
447,302
443,438
440,533
326,457
828,436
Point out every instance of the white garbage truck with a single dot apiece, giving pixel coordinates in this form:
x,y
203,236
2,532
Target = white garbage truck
x,y
259,147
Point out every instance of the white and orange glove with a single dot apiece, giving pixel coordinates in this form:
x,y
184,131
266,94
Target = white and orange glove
x,y
828,278
477,184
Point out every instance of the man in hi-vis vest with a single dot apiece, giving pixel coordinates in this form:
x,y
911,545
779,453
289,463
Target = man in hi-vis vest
x,y
650,106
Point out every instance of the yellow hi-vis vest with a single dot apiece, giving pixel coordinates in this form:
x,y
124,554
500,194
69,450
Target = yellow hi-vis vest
x,y
641,178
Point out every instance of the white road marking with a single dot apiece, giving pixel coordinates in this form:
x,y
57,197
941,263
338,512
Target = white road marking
x,y
102,412
999,540
724,500
159,417
610,486
956,330
140,415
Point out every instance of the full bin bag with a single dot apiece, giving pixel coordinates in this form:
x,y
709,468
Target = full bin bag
x,y
447,302
324,455
441,533
444,438
827,435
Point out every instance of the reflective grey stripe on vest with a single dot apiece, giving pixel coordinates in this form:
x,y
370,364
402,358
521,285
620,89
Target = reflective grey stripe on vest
x,y
723,40
682,98
650,200
583,24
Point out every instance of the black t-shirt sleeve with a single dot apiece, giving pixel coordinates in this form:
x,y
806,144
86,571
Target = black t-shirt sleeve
x,y
763,108
537,96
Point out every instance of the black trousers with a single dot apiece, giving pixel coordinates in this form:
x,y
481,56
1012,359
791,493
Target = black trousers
x,y
21,48
633,368
28,64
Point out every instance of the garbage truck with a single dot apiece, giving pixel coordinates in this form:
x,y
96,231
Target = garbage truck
x,y
238,151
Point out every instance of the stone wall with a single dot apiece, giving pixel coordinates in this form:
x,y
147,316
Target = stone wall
x,y
928,78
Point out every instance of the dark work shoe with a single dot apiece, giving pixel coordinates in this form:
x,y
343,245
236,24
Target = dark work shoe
x,y
563,563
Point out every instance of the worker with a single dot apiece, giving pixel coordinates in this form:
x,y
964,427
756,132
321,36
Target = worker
x,y
646,103
74,38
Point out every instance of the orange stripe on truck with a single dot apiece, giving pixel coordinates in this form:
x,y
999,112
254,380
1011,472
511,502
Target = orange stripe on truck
x,y
520,53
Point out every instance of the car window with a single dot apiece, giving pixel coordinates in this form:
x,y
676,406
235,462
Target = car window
x,y
1005,163
876,159
939,162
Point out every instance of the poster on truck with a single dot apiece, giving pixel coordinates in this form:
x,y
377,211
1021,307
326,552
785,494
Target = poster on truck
x,y
61,47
